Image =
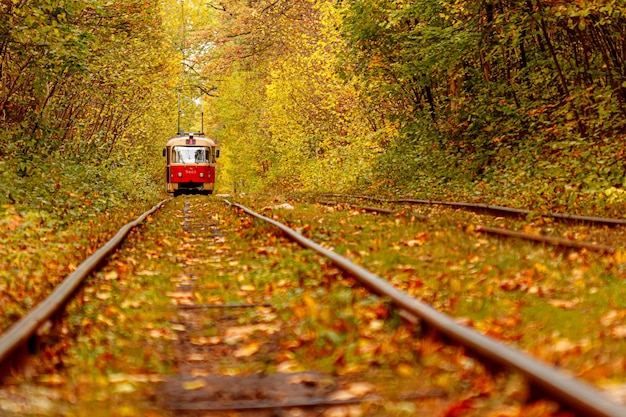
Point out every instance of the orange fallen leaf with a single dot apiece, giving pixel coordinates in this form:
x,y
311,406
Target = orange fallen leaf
x,y
203,340
619,332
180,294
404,370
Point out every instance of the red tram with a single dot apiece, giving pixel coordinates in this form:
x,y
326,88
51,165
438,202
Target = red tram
x,y
190,161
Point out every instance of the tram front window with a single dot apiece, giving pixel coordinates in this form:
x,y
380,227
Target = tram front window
x,y
190,154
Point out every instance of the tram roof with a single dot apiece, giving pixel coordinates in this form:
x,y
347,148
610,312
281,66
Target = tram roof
x,y
191,139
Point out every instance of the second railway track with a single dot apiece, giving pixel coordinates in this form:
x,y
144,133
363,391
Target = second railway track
x,y
204,310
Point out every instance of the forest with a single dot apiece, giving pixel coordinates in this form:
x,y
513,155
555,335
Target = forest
x,y
512,102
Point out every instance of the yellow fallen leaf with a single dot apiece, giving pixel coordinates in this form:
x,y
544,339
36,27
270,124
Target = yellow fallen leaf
x,y
248,350
131,304
155,333
196,357
564,304
340,395
419,240
288,367
360,389
110,276
53,379
105,320
124,388
612,317
194,384
564,345
147,273
117,378
103,295
404,369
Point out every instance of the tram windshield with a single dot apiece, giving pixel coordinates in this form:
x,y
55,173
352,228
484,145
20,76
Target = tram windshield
x,y
191,154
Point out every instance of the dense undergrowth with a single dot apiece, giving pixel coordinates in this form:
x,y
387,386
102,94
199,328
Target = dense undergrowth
x,y
570,177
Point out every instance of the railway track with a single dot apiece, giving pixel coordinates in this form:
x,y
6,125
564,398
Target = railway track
x,y
232,328
502,229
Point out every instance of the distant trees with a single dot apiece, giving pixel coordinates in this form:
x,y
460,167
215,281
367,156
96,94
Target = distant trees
x,y
288,118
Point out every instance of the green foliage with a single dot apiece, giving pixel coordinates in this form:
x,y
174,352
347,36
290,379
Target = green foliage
x,y
84,105
529,91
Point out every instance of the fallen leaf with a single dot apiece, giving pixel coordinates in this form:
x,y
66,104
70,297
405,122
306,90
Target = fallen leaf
x,y
194,384
204,341
200,372
53,379
341,395
419,240
131,304
305,378
124,388
117,378
288,367
404,370
180,294
564,304
360,389
612,317
105,320
248,350
147,273
103,295
196,357
110,276
619,332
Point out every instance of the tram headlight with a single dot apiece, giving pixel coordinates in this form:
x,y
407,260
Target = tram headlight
x,y
180,175
202,175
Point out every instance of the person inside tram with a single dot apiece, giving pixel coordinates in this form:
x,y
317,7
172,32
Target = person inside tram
x,y
199,156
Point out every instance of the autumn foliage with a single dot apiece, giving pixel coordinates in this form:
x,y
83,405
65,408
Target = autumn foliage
x,y
506,98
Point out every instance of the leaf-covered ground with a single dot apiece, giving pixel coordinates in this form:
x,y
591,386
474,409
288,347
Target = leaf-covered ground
x,y
564,306
135,342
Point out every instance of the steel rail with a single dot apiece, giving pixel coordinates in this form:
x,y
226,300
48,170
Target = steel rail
x,y
24,328
511,211
557,241
363,208
550,240
575,394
